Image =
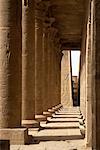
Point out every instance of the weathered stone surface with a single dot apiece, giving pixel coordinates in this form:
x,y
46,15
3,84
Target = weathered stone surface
x,y
45,70
28,61
83,74
38,59
70,16
67,28
17,136
10,63
88,84
96,72
66,82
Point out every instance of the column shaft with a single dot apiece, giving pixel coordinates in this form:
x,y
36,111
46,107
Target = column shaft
x,y
56,80
95,46
38,66
93,69
10,72
53,80
10,63
88,87
45,70
49,70
39,63
66,86
28,62
59,77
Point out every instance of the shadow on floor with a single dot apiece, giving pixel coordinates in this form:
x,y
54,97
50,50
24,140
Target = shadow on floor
x,y
66,113
70,127
65,117
58,121
38,139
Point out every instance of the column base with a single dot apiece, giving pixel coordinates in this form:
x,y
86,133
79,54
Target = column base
x,y
40,118
47,114
17,136
54,108
88,146
81,121
59,106
82,129
30,123
51,111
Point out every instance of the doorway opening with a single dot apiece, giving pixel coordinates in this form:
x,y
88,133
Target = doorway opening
x,y
75,61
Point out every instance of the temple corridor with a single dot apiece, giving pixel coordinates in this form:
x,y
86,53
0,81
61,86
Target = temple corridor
x,y
42,104
62,132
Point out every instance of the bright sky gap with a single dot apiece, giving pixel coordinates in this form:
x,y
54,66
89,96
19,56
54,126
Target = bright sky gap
x,y
75,57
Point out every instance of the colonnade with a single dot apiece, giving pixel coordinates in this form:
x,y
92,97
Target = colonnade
x,y
30,67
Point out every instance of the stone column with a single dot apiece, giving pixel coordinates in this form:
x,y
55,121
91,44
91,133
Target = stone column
x,y
66,96
50,70
28,64
93,70
70,78
56,73
95,48
88,86
55,70
55,77
39,62
45,70
59,56
10,72
53,74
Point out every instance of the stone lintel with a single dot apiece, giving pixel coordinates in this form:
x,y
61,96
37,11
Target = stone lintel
x,y
17,136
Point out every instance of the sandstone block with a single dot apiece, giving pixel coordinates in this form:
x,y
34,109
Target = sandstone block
x,y
17,136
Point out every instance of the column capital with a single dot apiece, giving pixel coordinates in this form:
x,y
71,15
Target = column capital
x,y
59,56
48,21
45,27
64,52
52,32
38,10
41,7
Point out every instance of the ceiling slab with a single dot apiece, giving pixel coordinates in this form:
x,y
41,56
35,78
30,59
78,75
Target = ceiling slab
x,y
69,15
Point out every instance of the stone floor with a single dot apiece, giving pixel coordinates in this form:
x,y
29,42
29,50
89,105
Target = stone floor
x,y
60,133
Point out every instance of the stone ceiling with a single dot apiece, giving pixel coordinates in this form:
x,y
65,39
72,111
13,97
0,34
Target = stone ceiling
x,y
69,16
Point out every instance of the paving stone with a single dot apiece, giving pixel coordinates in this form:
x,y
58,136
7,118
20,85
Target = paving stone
x,y
56,135
61,125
